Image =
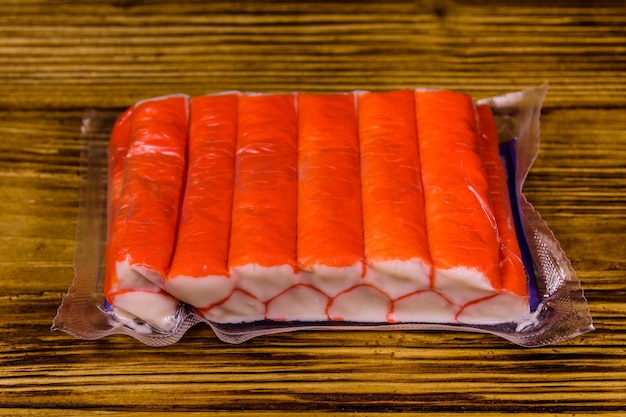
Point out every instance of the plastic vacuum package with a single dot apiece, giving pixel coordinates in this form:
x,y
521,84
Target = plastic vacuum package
x,y
266,213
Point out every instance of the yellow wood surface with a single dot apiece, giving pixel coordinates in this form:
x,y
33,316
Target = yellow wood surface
x,y
58,58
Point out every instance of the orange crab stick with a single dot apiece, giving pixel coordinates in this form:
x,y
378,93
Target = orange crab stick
x,y
330,226
130,295
263,233
154,177
512,302
461,227
394,223
513,273
199,271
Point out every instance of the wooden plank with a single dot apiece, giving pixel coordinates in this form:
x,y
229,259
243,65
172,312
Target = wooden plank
x,y
107,55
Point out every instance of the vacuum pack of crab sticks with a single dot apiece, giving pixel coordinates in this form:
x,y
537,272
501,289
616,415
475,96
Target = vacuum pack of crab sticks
x,y
265,213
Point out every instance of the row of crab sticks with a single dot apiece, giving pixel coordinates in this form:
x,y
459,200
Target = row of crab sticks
x,y
375,207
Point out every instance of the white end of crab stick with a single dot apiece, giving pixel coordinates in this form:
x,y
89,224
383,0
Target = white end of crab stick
x,y
394,223
199,271
498,308
460,224
361,303
128,292
424,306
240,307
330,225
298,303
262,253
158,309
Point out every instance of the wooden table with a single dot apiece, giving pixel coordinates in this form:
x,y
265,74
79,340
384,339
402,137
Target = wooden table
x,y
58,59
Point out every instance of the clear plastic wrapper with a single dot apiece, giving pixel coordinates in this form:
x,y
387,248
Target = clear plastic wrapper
x,y
557,309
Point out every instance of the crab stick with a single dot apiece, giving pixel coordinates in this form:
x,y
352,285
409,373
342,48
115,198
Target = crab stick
x,y
330,226
129,294
154,175
394,223
199,271
512,301
513,273
460,223
263,232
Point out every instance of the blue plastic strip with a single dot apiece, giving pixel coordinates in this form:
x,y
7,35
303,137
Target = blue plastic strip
x,y
507,153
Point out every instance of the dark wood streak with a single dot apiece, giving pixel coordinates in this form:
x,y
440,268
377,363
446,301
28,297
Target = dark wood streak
x,y
56,59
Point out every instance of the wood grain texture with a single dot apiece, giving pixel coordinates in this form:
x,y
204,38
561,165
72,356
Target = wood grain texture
x,y
59,57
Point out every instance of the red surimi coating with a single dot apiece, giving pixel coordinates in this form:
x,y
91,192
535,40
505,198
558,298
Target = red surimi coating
x,y
330,225
394,222
154,173
119,143
118,147
199,271
512,267
263,230
461,228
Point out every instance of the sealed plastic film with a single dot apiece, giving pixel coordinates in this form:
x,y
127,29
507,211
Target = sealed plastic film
x,y
557,307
